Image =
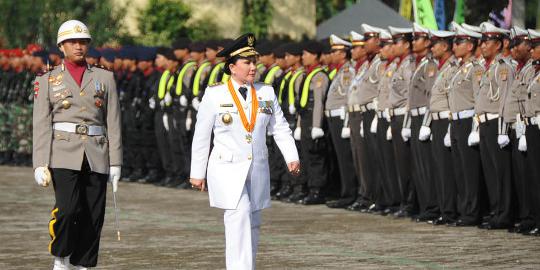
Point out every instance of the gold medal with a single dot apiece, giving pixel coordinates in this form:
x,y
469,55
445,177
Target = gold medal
x,y
66,104
389,74
227,119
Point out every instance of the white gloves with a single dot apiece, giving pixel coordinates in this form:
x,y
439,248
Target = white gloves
x,y
195,103
42,176
424,134
167,99
183,101
522,146
503,140
389,133
114,176
405,134
316,133
345,133
447,140
292,109
362,129
152,103
166,121
297,133
373,127
474,138
188,123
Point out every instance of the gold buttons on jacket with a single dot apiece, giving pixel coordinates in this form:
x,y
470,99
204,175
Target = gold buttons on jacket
x,y
65,104
82,93
250,157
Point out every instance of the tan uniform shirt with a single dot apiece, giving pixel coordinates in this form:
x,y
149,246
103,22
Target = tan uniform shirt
x,y
513,100
439,101
60,99
401,80
532,103
421,82
353,96
463,86
386,72
493,84
337,93
367,88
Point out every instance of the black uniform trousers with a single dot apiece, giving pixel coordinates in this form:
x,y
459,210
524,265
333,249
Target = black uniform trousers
x,y
314,171
343,152
78,214
387,166
468,172
176,137
524,179
373,176
497,165
444,170
423,175
149,142
357,145
278,168
163,143
402,154
533,182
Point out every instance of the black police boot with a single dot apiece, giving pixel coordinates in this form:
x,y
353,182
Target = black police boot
x,y
284,192
314,197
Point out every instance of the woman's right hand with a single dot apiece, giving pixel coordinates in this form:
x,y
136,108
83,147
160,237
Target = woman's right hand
x,y
197,184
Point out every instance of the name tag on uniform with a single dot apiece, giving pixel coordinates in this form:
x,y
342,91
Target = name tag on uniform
x,y
226,105
58,87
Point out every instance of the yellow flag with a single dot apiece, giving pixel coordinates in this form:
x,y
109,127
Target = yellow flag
x,y
405,7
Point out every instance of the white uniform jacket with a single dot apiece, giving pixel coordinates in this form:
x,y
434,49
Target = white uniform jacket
x,y
234,159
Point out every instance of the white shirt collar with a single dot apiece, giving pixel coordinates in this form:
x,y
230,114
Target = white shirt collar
x,y
236,86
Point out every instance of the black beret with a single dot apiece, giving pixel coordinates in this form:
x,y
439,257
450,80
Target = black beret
x,y
146,54
44,55
181,43
313,47
93,53
108,54
197,47
293,48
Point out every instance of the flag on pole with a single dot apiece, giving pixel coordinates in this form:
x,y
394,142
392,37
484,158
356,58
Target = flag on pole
x,y
423,14
440,14
405,7
459,16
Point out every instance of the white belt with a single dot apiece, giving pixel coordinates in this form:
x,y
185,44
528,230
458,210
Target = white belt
x,y
535,120
463,115
79,128
367,107
354,108
418,111
333,113
487,116
440,115
398,111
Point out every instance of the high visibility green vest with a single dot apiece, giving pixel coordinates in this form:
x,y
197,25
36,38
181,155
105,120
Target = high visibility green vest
x,y
332,74
214,73
197,80
270,74
305,88
225,77
291,85
282,86
179,82
165,84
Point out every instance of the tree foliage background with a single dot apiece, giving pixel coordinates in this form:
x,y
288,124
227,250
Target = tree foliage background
x,y
29,21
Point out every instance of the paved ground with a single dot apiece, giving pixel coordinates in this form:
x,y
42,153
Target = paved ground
x,y
175,229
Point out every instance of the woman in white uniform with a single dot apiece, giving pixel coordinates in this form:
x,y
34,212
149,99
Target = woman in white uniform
x,y
240,113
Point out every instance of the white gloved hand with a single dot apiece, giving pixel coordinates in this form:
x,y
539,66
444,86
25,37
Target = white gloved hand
x,y
405,134
188,123
316,133
503,140
183,101
42,176
114,176
362,129
152,103
424,134
167,99
474,138
345,133
447,140
166,122
522,146
297,133
389,133
373,127
292,109
195,103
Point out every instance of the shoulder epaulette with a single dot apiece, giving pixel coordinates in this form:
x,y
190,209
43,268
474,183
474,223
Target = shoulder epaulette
x,y
216,84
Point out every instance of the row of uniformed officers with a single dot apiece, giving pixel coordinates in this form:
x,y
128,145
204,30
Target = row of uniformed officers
x,y
439,126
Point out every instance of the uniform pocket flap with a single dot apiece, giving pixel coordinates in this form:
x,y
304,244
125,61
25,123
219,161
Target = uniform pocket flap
x,y
224,155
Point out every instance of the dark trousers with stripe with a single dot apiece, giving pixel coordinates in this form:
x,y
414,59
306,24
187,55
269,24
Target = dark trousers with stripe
x,y
532,188
497,165
373,176
468,170
314,171
342,150
387,166
77,217
402,153
357,144
525,177
444,170
163,143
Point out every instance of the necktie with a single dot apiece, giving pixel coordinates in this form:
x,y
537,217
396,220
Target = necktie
x,y
243,91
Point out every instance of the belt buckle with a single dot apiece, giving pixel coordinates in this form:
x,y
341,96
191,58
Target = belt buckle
x,y
81,129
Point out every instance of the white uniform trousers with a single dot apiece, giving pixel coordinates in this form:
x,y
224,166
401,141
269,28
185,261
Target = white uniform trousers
x,y
242,233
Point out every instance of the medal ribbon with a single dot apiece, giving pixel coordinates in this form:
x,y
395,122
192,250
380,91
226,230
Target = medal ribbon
x,y
254,106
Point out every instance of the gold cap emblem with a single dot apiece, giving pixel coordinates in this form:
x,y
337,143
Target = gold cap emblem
x,y
251,40
78,29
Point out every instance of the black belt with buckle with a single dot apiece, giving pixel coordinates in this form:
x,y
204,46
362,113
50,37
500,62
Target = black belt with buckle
x,y
81,129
